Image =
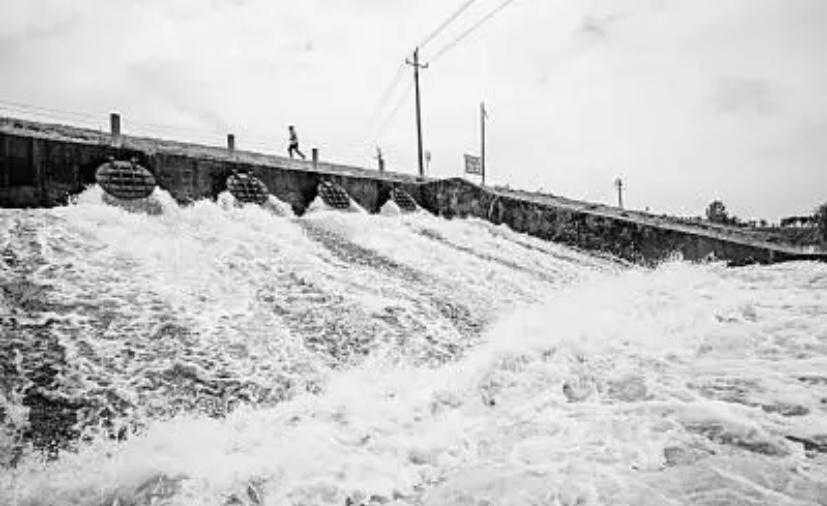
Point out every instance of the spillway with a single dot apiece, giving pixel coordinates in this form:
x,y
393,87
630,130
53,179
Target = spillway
x,y
231,355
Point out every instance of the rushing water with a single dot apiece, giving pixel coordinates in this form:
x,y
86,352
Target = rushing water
x,y
222,355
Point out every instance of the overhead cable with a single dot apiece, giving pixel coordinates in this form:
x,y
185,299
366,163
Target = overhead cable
x,y
447,22
470,30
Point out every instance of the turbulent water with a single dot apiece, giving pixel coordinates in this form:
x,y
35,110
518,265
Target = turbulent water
x,y
222,355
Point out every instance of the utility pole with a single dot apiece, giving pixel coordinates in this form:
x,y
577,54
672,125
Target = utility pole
x,y
416,65
483,115
619,185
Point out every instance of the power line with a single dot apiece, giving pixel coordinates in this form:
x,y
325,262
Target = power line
x,y
396,78
248,139
386,94
447,22
61,115
400,102
46,117
471,30
32,108
64,115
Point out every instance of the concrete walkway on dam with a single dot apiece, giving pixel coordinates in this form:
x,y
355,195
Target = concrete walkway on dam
x,y
43,164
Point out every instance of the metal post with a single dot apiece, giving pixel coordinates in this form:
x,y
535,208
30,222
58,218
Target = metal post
x,y
380,160
315,155
416,67
482,141
115,125
230,142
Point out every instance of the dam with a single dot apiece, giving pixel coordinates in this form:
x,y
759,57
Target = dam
x,y
232,355
43,165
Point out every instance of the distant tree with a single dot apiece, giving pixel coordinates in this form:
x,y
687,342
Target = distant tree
x,y
716,212
762,223
821,220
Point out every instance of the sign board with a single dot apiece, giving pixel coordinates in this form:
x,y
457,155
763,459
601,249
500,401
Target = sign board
x,y
473,164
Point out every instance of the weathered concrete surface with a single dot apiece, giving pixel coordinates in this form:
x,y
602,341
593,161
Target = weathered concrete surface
x,y
635,236
42,165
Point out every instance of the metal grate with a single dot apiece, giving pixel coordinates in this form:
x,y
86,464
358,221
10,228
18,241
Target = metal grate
x,y
334,195
125,180
403,200
247,189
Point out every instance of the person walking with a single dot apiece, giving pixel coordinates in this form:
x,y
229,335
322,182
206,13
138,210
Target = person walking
x,y
294,143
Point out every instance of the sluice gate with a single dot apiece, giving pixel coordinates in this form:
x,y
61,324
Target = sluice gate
x,y
125,180
403,200
334,196
247,189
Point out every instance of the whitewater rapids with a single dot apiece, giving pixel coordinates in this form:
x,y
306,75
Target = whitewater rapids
x,y
220,355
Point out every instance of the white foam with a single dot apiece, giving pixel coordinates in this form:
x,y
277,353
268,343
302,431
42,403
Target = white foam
x,y
676,376
319,205
390,209
225,200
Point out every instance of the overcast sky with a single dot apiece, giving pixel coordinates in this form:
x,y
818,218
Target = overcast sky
x,y
686,100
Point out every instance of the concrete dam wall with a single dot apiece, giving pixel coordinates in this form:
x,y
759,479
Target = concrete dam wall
x,y
44,165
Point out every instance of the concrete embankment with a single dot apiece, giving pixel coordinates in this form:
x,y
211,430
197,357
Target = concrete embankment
x,y
43,165
635,236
